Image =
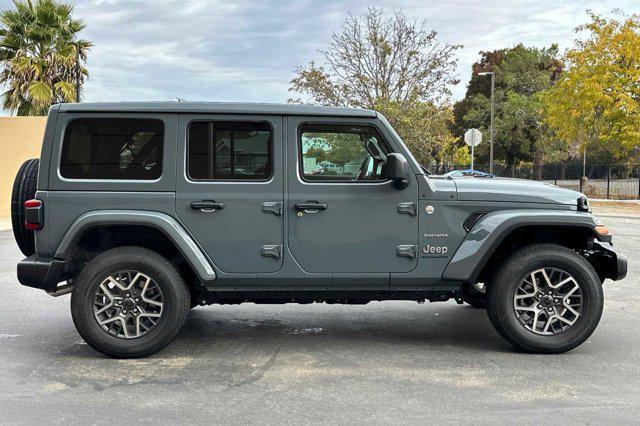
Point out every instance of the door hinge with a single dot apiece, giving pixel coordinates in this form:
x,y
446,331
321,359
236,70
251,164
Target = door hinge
x,y
407,251
408,208
271,250
274,207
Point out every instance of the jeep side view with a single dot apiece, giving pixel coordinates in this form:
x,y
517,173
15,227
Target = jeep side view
x,y
144,210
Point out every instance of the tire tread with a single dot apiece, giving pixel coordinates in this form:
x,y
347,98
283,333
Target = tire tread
x,y
519,258
101,343
24,188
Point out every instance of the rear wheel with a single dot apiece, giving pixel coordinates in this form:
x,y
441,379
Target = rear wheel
x,y
129,302
546,299
24,188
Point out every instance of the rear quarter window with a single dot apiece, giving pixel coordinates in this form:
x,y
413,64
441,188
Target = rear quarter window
x,y
112,149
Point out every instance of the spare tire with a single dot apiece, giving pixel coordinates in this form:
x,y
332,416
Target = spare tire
x,y
24,188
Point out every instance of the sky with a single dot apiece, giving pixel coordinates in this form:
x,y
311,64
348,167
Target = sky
x,y
241,50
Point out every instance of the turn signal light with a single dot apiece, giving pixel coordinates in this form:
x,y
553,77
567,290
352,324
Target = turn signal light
x,y
602,230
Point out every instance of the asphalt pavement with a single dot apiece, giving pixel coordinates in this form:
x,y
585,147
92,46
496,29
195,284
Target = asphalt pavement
x,y
389,362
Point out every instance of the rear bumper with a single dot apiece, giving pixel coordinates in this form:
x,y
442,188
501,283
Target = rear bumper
x,y
44,273
615,264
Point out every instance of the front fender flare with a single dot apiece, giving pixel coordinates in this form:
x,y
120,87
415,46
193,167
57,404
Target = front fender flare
x,y
487,234
160,221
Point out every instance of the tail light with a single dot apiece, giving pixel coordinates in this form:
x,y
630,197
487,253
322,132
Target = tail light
x,y
33,215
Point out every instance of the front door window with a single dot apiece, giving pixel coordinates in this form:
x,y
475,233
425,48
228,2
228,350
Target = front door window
x,y
341,153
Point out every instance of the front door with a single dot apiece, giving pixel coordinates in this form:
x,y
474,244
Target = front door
x,y
344,217
229,192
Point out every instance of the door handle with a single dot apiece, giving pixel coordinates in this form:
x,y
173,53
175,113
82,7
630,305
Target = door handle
x,y
207,206
310,207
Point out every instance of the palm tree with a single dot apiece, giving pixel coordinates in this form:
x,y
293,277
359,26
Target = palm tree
x,y
39,51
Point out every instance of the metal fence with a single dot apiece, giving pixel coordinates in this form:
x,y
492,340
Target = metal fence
x,y
614,181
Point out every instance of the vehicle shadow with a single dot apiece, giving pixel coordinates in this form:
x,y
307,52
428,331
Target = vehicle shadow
x,y
214,330
233,346
399,324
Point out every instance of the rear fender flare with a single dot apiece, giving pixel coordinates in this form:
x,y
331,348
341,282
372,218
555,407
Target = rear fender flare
x,y
170,227
487,234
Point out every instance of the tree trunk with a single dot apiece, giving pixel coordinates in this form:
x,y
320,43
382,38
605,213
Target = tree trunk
x,y
537,166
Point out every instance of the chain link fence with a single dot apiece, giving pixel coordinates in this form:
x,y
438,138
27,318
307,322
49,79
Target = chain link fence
x,y
614,182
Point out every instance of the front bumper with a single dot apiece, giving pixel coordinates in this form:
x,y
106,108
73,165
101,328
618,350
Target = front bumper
x,y
612,263
44,273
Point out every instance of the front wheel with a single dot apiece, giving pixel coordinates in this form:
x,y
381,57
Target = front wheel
x,y
473,297
545,299
129,302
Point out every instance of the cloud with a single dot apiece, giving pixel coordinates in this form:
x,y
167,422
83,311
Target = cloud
x,y
247,50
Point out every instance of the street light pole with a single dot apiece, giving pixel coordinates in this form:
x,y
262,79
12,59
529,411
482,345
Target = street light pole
x,y
493,110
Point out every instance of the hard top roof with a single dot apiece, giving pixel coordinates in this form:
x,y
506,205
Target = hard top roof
x,y
215,108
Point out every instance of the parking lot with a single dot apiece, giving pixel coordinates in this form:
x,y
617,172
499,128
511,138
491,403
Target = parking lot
x,y
379,363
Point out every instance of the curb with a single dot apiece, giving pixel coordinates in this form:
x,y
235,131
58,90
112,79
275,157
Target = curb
x,y
610,200
618,216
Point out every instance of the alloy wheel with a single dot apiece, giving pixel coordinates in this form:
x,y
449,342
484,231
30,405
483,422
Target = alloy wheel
x,y
548,301
128,304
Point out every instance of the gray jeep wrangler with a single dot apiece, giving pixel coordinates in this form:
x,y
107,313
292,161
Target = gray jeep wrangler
x,y
144,210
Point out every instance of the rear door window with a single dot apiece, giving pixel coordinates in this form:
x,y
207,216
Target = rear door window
x,y
111,149
229,151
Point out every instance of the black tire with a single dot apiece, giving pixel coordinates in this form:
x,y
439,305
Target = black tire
x,y
174,312
24,188
476,302
473,297
502,289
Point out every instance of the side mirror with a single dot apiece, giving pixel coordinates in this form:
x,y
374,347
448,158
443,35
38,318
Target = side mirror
x,y
396,168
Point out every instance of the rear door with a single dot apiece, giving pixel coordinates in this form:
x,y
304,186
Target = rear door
x,y
345,218
229,191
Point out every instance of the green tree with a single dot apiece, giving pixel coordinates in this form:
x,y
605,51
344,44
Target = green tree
x,y
423,126
596,103
462,156
393,65
316,152
38,46
337,148
521,75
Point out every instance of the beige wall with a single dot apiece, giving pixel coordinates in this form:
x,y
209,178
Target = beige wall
x,y
20,139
